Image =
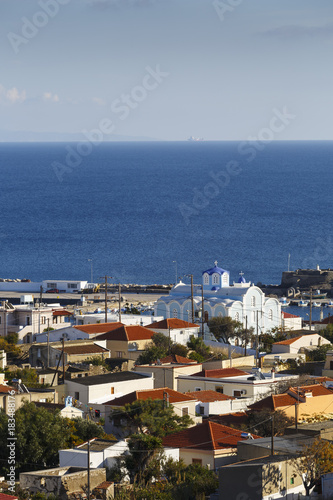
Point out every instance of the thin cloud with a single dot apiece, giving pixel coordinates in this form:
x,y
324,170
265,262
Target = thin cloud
x,y
99,101
49,97
298,31
12,96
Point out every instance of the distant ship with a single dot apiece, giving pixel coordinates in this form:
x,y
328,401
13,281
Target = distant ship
x,y
195,139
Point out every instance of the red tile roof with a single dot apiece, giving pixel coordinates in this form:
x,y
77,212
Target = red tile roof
x,y
4,389
288,315
171,323
315,389
209,396
127,333
274,402
174,396
179,360
205,436
4,496
96,328
220,373
84,349
289,341
61,312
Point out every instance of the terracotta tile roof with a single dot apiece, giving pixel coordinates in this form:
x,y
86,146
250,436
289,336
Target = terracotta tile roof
x,y
179,360
209,396
171,323
327,321
205,436
273,402
85,349
220,373
288,315
4,496
5,389
96,328
174,396
289,341
127,333
61,312
316,389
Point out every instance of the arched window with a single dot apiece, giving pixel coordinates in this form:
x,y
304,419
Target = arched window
x,y
253,301
237,316
216,279
225,278
206,279
270,314
175,313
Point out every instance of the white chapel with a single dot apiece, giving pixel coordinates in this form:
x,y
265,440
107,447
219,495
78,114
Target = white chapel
x,y
241,301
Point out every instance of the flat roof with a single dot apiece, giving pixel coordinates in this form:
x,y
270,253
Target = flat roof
x,y
98,445
108,378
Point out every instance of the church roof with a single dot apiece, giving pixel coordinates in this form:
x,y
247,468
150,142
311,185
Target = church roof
x,y
215,269
241,279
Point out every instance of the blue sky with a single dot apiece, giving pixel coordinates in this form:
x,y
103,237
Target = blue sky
x,y
226,66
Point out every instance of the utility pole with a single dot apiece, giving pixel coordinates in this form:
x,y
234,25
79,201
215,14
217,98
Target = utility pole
x,y
257,343
48,342
202,314
106,296
192,300
272,435
88,469
119,292
310,322
63,360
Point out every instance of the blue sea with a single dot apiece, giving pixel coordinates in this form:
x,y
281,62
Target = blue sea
x,y
145,212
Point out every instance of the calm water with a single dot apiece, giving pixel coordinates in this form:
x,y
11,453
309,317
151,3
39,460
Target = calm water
x,y
134,208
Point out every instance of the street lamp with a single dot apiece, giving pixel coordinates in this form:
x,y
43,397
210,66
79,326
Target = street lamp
x,y
91,270
175,262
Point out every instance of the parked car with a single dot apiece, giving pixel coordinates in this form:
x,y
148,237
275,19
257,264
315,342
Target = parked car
x,y
52,290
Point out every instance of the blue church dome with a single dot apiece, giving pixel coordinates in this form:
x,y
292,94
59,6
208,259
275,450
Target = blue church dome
x,y
241,279
215,269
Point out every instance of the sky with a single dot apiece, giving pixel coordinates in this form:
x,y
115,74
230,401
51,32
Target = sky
x,y
166,69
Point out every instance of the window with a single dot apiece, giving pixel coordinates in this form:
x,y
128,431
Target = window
x,y
292,480
225,279
237,394
76,395
237,316
197,461
253,301
72,285
197,388
270,314
184,411
51,285
175,313
112,390
219,389
215,279
43,320
119,354
202,410
28,320
206,279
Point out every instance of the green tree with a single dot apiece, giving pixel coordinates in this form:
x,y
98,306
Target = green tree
x,y
144,459
179,350
318,354
224,328
316,460
200,352
152,417
327,332
261,421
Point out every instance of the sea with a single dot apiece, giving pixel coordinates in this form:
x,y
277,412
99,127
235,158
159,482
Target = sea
x,y
151,212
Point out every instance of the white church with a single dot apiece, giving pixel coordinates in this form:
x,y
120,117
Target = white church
x,y
241,301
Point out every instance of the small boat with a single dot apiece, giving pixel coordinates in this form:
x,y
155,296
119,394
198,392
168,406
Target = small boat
x,y
284,302
316,304
315,295
329,304
303,303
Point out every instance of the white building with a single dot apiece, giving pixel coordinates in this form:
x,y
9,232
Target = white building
x,y
241,301
177,330
29,321
64,286
298,344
